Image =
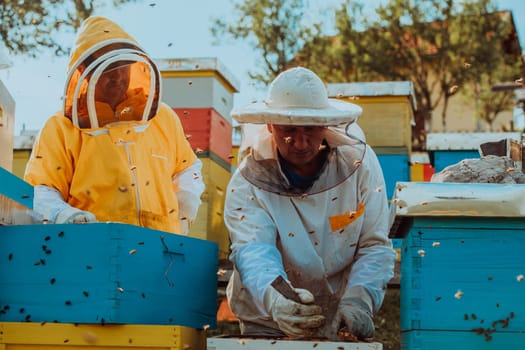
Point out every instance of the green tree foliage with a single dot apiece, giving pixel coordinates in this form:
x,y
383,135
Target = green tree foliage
x,y
444,47
496,58
28,27
447,48
274,28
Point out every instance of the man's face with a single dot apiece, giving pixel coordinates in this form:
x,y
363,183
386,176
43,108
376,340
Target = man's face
x,y
299,145
112,85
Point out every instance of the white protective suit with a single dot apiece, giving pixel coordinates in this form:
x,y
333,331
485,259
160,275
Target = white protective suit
x,y
328,239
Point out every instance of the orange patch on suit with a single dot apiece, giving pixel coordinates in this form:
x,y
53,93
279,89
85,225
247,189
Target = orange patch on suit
x,y
338,222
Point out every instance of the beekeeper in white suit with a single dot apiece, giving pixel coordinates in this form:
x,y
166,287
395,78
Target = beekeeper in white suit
x,y
308,218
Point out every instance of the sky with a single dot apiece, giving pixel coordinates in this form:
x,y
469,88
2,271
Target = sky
x,y
169,29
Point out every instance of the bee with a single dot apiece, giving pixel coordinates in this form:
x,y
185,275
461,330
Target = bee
x,y
458,294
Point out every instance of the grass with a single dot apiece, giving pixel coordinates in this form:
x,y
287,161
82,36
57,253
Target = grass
x,y
387,320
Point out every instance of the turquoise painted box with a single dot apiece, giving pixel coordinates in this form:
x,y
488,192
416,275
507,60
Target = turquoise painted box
x,y
103,273
396,168
463,265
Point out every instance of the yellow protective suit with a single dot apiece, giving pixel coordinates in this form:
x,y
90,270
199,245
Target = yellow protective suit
x,y
123,167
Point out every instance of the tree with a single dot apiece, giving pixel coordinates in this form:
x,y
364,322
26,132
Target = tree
x,y
443,46
28,27
274,28
496,58
447,48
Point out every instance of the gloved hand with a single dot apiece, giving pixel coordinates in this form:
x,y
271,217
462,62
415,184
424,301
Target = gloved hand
x,y
185,226
74,216
297,320
355,312
357,316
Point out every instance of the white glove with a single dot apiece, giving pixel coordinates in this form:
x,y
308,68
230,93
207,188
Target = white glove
x,y
74,216
185,226
358,318
355,312
297,320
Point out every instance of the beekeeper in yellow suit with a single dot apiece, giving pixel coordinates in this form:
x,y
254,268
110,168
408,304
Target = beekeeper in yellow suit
x,y
115,152
308,218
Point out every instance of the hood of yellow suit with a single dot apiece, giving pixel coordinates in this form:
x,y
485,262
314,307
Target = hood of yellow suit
x,y
103,46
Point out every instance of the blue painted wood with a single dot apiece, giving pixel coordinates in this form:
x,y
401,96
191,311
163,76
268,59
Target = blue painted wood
x,y
452,340
462,275
106,273
395,168
397,243
442,159
15,188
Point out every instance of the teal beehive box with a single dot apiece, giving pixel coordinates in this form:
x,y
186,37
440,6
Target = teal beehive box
x,y
463,266
105,273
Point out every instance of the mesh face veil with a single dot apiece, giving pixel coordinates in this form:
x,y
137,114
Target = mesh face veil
x,y
111,83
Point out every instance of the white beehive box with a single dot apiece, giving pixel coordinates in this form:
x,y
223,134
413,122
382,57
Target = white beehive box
x,y
278,344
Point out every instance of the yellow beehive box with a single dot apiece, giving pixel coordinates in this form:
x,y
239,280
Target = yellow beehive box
x,y
209,223
388,110
48,336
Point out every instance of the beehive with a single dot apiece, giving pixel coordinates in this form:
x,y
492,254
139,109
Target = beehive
x,y
421,169
278,344
388,110
463,265
395,168
7,125
207,132
210,223
47,336
200,91
103,273
16,198
198,83
387,120
451,148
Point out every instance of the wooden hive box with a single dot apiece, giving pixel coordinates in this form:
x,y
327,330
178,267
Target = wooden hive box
x,y
7,127
52,336
462,268
387,120
388,110
279,344
201,91
395,168
209,223
16,199
198,83
207,131
421,168
102,273
451,148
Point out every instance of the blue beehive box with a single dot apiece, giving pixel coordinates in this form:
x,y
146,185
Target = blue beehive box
x,y
396,167
463,263
450,148
106,273
443,159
